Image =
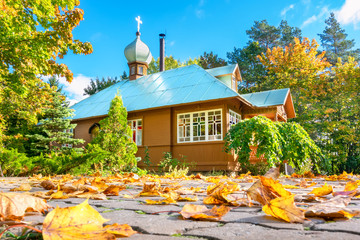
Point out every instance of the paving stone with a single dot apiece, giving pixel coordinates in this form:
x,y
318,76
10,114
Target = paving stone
x,y
155,224
352,225
246,231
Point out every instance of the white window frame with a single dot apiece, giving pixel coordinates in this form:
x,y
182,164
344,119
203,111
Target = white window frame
x,y
234,118
141,70
135,129
68,145
207,136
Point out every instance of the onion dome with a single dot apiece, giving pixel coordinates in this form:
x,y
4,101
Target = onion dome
x,y
137,51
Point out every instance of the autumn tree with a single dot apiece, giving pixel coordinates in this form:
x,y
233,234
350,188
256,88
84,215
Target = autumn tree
x,y
334,42
34,34
97,85
115,137
302,69
262,36
211,60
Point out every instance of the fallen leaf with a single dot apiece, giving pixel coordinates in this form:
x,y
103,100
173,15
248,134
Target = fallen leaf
x,y
322,191
22,187
160,202
14,205
266,189
201,212
81,222
333,208
48,185
59,195
113,190
351,186
284,208
150,190
95,196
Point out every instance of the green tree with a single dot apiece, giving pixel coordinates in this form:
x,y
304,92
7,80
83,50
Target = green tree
x,y
277,141
211,60
266,35
124,76
288,34
55,131
170,63
252,70
33,36
97,85
333,40
115,137
54,82
263,36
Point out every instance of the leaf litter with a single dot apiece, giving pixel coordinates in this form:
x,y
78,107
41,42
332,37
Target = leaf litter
x,y
224,193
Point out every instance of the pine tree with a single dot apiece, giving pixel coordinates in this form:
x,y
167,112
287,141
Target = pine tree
x,y
115,136
334,42
55,131
97,85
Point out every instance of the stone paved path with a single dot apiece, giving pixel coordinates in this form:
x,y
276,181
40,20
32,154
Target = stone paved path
x,y
163,222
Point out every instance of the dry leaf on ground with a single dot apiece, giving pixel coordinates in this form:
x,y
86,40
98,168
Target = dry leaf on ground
x,y
322,191
201,212
333,208
14,205
81,222
266,189
48,185
284,208
22,187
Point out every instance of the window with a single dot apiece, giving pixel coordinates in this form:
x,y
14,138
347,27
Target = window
x,y
132,70
200,126
141,70
234,118
233,83
68,145
94,130
136,128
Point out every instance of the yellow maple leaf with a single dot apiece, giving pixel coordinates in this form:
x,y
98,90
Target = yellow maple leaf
x,y
80,222
322,191
284,208
201,212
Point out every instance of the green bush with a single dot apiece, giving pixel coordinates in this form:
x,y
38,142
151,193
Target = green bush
x,y
14,163
277,141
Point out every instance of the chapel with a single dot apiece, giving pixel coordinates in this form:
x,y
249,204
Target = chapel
x,y
186,111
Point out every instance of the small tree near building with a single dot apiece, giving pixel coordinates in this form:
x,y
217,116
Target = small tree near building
x,y
115,136
276,141
55,131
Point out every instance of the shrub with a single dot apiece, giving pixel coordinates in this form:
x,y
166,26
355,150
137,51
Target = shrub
x,y
115,137
13,163
277,141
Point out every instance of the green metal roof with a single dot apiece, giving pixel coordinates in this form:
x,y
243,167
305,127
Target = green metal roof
x,y
267,98
178,86
229,69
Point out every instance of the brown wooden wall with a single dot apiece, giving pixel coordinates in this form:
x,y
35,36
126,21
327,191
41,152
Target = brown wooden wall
x,y
160,135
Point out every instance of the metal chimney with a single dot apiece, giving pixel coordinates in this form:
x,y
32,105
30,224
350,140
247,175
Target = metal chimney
x,y
162,51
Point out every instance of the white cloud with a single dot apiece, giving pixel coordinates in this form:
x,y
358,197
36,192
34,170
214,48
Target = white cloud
x,y
172,43
74,91
285,10
349,12
324,12
200,13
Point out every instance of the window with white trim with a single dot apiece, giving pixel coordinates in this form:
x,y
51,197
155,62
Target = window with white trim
x,y
68,145
200,126
234,118
233,83
136,128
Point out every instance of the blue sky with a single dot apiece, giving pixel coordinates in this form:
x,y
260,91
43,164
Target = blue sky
x,y
191,28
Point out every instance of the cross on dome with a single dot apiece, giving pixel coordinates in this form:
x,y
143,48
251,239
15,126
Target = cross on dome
x,y
139,22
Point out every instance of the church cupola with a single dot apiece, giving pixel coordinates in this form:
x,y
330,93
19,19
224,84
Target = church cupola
x,y
138,56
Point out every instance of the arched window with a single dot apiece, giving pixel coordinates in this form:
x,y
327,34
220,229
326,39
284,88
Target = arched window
x,y
94,130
